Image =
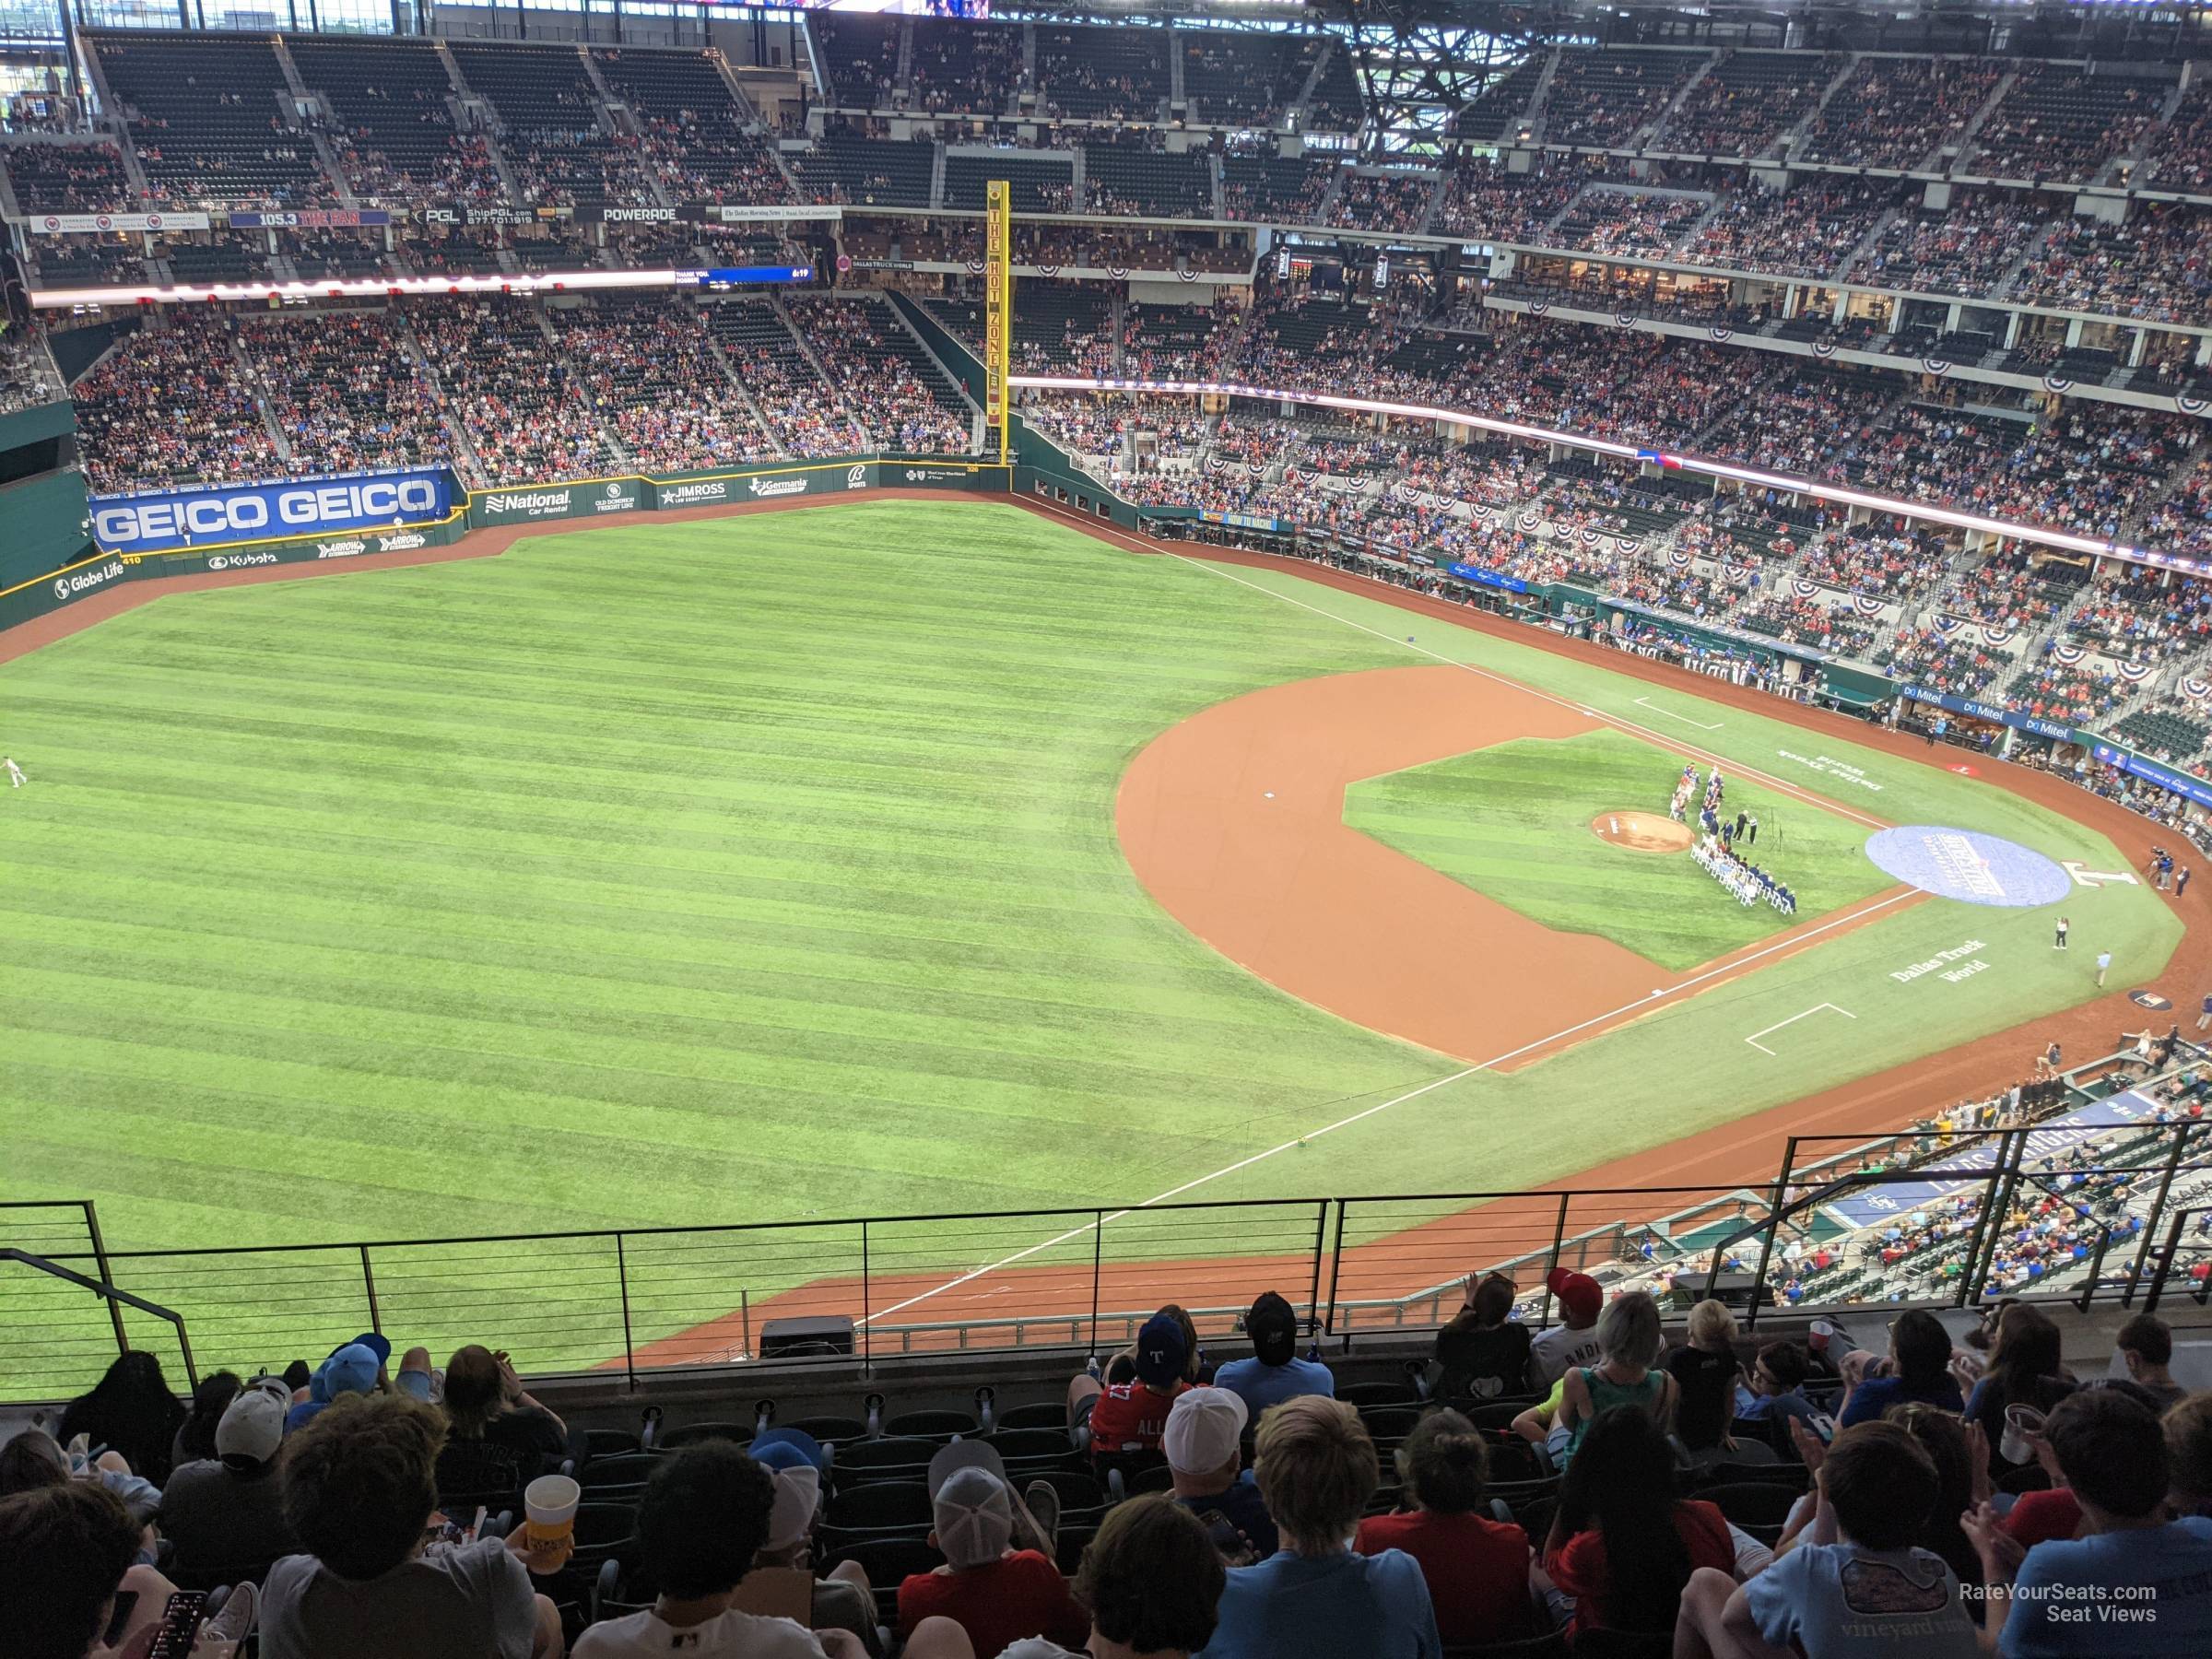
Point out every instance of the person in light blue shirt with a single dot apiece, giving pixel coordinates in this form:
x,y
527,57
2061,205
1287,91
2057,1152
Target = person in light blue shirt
x,y
1275,1373
1855,1587
2136,1585
1315,1598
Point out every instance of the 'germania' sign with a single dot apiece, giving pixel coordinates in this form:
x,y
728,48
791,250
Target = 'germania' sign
x,y
157,521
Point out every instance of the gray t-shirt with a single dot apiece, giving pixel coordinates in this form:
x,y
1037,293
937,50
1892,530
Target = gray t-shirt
x,y
470,1602
1559,1350
219,1519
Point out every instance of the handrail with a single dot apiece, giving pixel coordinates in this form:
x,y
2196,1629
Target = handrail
x,y
633,1301
115,1299
2165,1259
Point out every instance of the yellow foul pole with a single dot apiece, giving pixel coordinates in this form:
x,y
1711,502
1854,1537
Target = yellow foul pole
x,y
998,308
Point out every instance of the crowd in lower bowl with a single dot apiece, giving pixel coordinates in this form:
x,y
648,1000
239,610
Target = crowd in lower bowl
x,y
1589,1488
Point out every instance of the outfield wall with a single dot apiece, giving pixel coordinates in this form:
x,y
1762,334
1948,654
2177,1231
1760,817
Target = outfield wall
x,y
1041,473
162,542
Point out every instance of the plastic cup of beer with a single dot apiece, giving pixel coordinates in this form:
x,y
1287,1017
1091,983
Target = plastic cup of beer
x,y
2022,1425
549,1510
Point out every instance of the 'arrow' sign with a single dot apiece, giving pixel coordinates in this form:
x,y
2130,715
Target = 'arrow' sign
x,y
2095,878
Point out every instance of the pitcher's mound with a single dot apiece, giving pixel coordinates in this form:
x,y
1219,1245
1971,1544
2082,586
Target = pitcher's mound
x,y
1641,831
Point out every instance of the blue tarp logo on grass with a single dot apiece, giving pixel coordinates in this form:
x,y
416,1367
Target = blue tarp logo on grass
x,y
1968,867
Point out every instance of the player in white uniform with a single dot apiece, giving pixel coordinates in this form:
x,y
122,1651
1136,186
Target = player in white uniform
x,y
15,773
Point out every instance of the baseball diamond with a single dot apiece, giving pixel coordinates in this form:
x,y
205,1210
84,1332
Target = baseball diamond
x,y
657,845
933,831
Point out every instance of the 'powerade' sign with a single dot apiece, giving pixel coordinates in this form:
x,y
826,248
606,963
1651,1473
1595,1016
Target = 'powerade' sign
x,y
155,520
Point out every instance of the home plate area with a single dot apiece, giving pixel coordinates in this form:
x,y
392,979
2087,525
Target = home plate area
x,y
1643,832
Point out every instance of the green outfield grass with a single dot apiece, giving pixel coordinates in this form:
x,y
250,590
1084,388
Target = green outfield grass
x,y
765,869
1514,821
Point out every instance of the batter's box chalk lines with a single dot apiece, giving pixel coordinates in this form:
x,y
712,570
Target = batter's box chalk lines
x,y
1817,1007
1702,725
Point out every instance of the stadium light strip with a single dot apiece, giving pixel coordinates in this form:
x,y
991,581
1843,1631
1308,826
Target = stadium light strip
x,y
373,288
1630,452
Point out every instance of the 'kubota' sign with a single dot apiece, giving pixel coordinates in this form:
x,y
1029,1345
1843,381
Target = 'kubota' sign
x,y
157,521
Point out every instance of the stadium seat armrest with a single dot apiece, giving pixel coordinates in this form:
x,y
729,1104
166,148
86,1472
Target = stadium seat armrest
x,y
604,1584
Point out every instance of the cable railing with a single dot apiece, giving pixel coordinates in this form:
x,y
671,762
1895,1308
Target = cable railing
x,y
113,1298
2075,1206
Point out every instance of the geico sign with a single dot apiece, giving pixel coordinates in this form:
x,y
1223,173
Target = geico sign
x,y
301,507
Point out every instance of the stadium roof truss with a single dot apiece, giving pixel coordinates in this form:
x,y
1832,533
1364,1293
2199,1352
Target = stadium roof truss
x,y
1418,75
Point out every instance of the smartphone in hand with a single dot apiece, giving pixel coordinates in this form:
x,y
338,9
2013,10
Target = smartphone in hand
x,y
181,1622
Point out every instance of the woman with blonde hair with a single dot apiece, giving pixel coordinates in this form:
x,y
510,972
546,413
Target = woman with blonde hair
x,y
1629,1340
1316,1597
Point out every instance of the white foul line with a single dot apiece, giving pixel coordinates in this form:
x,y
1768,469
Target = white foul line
x,y
1621,723
1685,719
1754,1039
1413,1094
1641,1003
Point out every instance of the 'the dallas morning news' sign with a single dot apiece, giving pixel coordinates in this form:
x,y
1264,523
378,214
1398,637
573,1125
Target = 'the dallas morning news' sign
x,y
155,520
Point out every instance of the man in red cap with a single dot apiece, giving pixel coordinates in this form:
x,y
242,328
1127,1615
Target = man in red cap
x,y
1574,1342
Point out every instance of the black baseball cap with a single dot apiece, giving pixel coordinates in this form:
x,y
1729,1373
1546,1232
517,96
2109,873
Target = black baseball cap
x,y
1273,1328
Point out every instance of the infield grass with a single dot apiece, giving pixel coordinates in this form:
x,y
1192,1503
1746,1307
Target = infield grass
x,y
1513,822
761,870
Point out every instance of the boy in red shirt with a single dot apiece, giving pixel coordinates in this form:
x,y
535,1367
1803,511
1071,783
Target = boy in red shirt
x,y
998,1594
1131,1417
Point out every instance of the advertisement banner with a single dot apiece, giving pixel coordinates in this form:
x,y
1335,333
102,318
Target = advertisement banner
x,y
638,215
1994,714
306,549
582,499
154,521
99,224
1492,579
66,586
2180,783
938,475
722,277
779,216
769,483
483,216
311,219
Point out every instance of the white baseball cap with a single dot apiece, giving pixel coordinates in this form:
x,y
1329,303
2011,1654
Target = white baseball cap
x,y
1204,1427
251,1426
973,1512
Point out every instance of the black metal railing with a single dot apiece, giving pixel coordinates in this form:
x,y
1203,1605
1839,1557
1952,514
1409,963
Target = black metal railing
x,y
1813,1234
